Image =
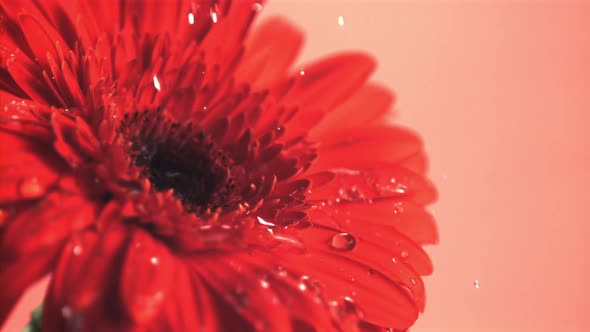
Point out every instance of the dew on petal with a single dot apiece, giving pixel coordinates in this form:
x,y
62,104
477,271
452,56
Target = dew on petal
x,y
67,312
476,283
264,222
404,254
156,83
340,20
281,271
257,7
302,72
31,188
343,242
191,18
154,260
77,250
213,16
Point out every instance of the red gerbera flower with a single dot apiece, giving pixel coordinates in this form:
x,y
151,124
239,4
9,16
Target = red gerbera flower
x,y
172,172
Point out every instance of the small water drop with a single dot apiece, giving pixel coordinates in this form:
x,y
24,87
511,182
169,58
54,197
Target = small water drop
x,y
156,83
398,207
191,18
155,260
302,72
257,7
404,254
264,222
281,271
476,283
343,242
394,260
213,16
77,250
264,283
340,20
31,188
67,312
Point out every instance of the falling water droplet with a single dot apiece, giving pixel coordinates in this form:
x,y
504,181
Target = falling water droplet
x,y
31,188
476,283
343,242
340,20
191,18
156,83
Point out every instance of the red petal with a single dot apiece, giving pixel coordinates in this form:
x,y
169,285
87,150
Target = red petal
x,y
17,275
145,277
370,103
240,286
329,82
28,168
368,145
270,51
382,300
47,223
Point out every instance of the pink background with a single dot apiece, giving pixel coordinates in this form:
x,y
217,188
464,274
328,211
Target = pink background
x,y
500,91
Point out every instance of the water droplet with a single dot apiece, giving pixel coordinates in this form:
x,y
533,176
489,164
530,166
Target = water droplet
x,y
155,260
31,188
191,18
308,284
257,7
345,308
77,250
404,254
156,83
394,260
264,222
264,283
343,242
476,283
340,21
67,312
281,271
302,72
213,16
398,207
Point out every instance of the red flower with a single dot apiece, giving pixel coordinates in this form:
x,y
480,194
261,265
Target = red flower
x,y
171,172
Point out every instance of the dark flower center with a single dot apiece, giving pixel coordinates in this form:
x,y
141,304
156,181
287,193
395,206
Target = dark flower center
x,y
181,158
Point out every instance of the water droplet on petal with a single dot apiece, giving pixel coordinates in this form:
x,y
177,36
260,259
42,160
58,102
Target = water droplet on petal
x,y
154,260
476,283
340,20
343,242
302,72
241,298
257,7
281,271
67,312
213,16
404,254
31,188
156,83
191,18
77,250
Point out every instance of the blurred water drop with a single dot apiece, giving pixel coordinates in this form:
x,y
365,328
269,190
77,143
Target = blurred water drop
x,y
302,72
257,7
213,16
340,21
67,312
191,18
343,242
31,188
404,254
476,283
154,260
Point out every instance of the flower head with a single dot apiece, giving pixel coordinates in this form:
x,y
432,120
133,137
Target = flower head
x,y
171,169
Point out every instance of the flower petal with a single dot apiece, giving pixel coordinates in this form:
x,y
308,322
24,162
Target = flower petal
x,y
271,49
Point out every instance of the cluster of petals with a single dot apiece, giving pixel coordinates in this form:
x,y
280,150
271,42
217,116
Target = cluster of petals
x,y
173,170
